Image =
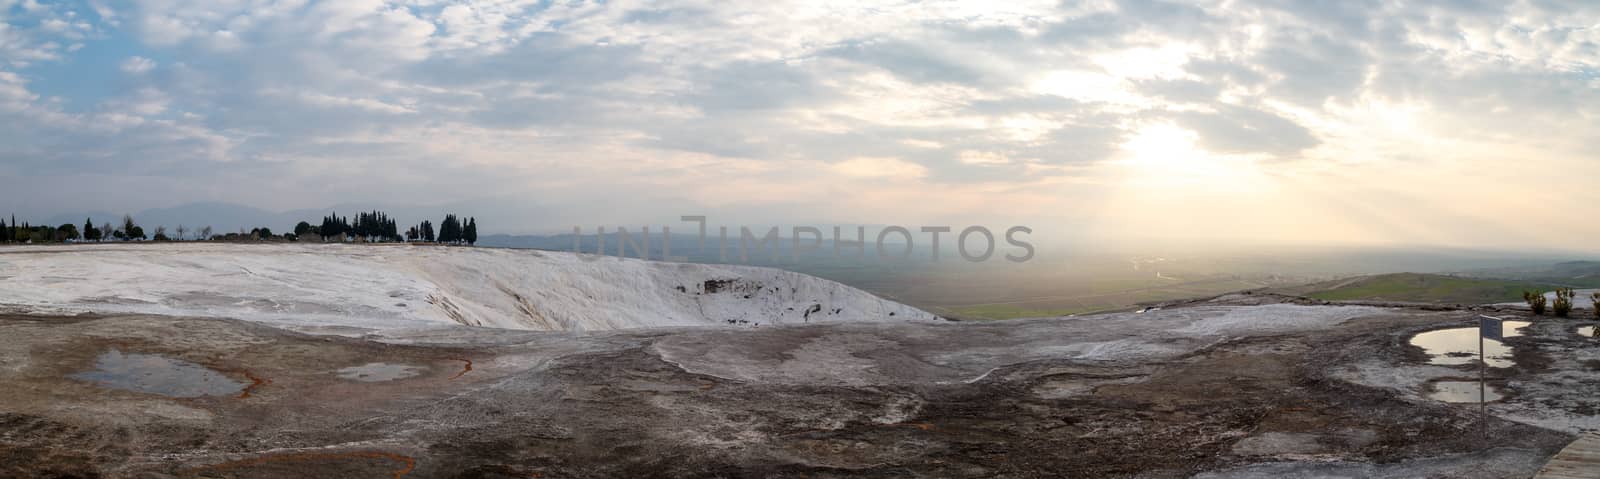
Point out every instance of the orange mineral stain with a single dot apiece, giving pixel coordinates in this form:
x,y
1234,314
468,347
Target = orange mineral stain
x,y
255,382
464,369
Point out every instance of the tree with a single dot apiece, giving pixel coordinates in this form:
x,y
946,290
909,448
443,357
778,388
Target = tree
x,y
106,231
1563,304
471,232
67,232
136,233
450,229
180,231
161,233
205,233
265,233
1535,301
302,229
128,226
5,236
331,226
89,231
427,231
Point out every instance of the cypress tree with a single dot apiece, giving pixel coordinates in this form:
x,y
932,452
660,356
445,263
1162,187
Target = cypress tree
x,y
471,233
450,229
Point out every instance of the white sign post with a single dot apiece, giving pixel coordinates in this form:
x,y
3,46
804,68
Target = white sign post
x,y
1492,328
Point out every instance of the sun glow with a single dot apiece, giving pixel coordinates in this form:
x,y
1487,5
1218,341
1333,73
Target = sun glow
x,y
1167,151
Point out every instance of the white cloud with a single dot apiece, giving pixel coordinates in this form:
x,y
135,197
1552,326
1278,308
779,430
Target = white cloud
x,y
368,104
137,65
869,167
1003,96
972,157
14,94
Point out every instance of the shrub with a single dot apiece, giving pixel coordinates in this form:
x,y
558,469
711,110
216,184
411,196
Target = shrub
x,y
1563,303
1535,301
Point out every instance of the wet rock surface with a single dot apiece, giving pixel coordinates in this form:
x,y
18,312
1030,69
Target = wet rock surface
x,y
1236,387
157,375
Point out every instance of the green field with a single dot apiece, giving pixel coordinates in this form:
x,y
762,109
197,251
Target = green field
x,y
1423,288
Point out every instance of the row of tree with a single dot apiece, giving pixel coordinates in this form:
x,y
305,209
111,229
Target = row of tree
x,y
22,232
377,226
374,226
453,230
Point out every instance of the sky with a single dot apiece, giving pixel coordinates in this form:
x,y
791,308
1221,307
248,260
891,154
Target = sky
x,y
1366,122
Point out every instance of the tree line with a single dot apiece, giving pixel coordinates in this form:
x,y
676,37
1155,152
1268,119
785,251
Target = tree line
x,y
126,230
378,227
372,227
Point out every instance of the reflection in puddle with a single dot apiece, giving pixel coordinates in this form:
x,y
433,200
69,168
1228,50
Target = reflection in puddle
x,y
375,372
158,375
1586,331
1462,391
1460,346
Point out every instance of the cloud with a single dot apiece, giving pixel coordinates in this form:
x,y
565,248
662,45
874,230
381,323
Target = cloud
x,y
868,167
1235,129
545,102
137,65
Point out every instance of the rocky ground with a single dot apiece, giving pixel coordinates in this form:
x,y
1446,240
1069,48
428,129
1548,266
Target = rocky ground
x,y
1239,386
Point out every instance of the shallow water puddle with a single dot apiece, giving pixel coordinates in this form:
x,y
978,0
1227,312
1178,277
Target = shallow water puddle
x,y
1586,331
1460,345
1462,391
378,372
158,375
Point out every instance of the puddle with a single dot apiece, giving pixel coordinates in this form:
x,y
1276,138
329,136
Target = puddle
x,y
1462,392
1460,346
378,372
1586,331
158,375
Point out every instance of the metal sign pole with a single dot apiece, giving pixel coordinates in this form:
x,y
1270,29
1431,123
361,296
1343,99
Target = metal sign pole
x,y
1495,327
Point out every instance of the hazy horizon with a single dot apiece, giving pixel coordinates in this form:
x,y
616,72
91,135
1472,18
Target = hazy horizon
x,y
1051,244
